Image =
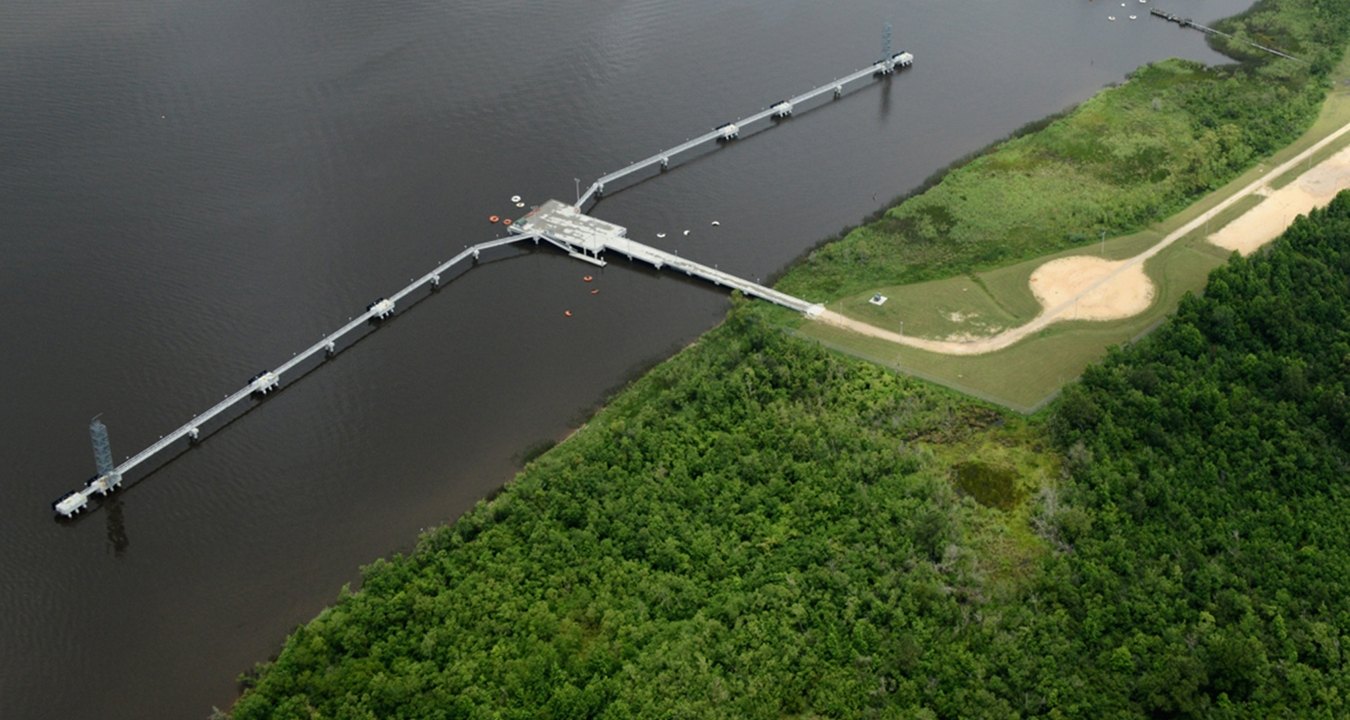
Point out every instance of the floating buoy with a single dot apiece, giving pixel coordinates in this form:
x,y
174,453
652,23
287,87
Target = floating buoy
x,y
587,278
660,235
567,313
715,223
515,198
596,291
1134,17
506,221
1112,18
520,204
686,232
493,218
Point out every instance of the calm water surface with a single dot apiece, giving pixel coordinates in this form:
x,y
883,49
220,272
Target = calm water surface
x,y
191,191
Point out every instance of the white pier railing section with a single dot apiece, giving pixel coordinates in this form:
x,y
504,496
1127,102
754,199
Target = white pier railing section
x,y
731,131
73,502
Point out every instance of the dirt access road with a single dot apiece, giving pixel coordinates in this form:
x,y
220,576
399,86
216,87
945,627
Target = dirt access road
x,y
1126,272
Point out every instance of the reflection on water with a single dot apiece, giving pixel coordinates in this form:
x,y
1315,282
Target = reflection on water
x,y
116,529
886,96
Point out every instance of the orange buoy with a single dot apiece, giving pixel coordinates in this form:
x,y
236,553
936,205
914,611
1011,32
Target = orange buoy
x,y
506,221
587,278
567,313
595,291
493,218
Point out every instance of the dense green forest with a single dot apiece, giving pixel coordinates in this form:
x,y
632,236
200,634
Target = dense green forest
x,y
1210,464
745,532
1130,156
762,528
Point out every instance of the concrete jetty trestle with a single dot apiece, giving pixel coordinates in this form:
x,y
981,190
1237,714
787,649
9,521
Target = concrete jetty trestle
x,y
732,130
564,226
266,381
586,238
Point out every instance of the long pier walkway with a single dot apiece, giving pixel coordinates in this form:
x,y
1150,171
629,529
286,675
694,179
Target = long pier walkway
x,y
1189,23
732,130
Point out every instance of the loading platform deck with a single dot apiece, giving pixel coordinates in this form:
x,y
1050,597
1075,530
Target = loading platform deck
x,y
587,238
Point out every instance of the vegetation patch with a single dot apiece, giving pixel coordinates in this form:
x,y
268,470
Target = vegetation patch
x,y
1206,502
991,485
735,536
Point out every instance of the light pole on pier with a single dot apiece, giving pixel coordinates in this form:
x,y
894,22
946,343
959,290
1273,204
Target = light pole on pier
x,y
577,182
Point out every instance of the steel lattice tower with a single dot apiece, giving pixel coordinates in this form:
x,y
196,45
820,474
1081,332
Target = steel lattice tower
x,y
98,435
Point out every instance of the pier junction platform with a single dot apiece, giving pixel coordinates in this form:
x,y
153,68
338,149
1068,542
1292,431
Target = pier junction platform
x,y
587,238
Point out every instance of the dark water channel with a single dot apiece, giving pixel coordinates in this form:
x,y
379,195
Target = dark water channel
x,y
191,191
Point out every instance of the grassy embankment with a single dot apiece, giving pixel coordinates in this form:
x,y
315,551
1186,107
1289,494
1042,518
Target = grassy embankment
x,y
762,528
1125,162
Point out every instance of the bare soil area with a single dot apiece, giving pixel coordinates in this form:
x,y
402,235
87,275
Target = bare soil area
x,y
1127,291
1266,221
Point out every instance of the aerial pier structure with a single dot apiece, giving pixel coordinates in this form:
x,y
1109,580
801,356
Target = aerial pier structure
x,y
1189,23
564,226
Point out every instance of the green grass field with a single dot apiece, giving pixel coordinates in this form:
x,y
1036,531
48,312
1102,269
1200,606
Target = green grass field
x,y
1027,375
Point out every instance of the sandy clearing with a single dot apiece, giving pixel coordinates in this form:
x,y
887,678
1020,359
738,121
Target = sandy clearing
x,y
1266,221
1127,292
1064,310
